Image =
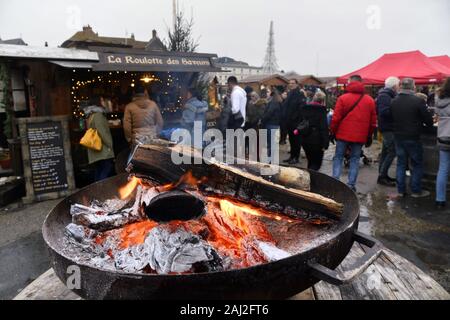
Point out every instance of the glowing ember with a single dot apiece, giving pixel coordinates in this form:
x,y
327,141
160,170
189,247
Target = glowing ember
x,y
135,234
230,207
128,189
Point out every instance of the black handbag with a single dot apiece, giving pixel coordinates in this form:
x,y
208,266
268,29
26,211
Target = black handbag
x,y
304,128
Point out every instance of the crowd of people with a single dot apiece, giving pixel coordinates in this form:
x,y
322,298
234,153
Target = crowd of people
x,y
398,112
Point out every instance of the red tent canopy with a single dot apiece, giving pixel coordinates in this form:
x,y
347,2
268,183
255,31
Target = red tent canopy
x,y
444,60
412,64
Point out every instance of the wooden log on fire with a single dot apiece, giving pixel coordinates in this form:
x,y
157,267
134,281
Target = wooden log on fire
x,y
238,181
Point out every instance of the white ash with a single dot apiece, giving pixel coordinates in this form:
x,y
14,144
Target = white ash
x,y
271,252
80,233
100,220
176,252
133,259
167,252
110,205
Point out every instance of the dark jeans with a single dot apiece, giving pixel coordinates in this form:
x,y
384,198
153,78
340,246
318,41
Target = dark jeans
x,y
294,140
388,154
413,150
314,154
103,169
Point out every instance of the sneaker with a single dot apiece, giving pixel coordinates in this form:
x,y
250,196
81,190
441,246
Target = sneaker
x,y
288,160
294,161
441,204
422,194
384,181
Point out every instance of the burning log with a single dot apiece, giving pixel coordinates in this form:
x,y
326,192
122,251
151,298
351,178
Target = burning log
x,y
113,214
101,220
238,183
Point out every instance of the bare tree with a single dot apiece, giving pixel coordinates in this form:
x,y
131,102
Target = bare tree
x,y
180,37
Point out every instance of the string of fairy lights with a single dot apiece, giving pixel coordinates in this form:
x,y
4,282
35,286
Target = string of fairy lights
x,y
79,95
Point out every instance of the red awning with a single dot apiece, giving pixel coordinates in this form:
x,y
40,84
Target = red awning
x,y
444,60
412,64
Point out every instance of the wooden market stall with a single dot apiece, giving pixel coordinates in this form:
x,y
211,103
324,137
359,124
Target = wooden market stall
x,y
49,82
260,82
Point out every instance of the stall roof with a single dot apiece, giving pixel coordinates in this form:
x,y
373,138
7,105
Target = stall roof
x,y
413,64
115,59
445,60
264,78
120,59
28,52
73,64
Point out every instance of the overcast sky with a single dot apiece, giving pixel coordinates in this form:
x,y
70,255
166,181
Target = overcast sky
x,y
328,37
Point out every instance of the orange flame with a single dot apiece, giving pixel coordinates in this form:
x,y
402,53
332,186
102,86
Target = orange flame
x,y
128,189
228,206
187,179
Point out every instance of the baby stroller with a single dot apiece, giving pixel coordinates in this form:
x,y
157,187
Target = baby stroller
x,y
366,160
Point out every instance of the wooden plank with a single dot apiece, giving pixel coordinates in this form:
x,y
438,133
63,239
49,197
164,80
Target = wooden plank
x,y
391,277
304,296
424,287
47,287
326,291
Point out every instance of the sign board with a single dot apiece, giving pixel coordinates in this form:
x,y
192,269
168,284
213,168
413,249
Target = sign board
x,y
48,167
151,62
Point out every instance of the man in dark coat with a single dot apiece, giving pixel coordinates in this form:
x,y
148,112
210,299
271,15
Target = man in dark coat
x,y
386,127
295,101
410,113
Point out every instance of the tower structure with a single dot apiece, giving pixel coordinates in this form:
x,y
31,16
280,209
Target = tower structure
x,y
270,65
175,13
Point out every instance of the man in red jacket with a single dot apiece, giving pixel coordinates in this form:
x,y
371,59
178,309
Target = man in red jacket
x,y
353,124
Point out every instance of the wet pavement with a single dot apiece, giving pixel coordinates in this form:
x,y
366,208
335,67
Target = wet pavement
x,y
23,256
410,227
413,228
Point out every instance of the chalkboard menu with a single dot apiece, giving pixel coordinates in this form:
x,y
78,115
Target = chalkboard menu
x,y
47,160
48,164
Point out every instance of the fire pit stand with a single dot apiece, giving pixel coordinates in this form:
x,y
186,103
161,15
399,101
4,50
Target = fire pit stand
x,y
276,280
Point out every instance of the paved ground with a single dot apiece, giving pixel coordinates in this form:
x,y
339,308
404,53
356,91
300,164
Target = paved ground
x,y
412,228
23,256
